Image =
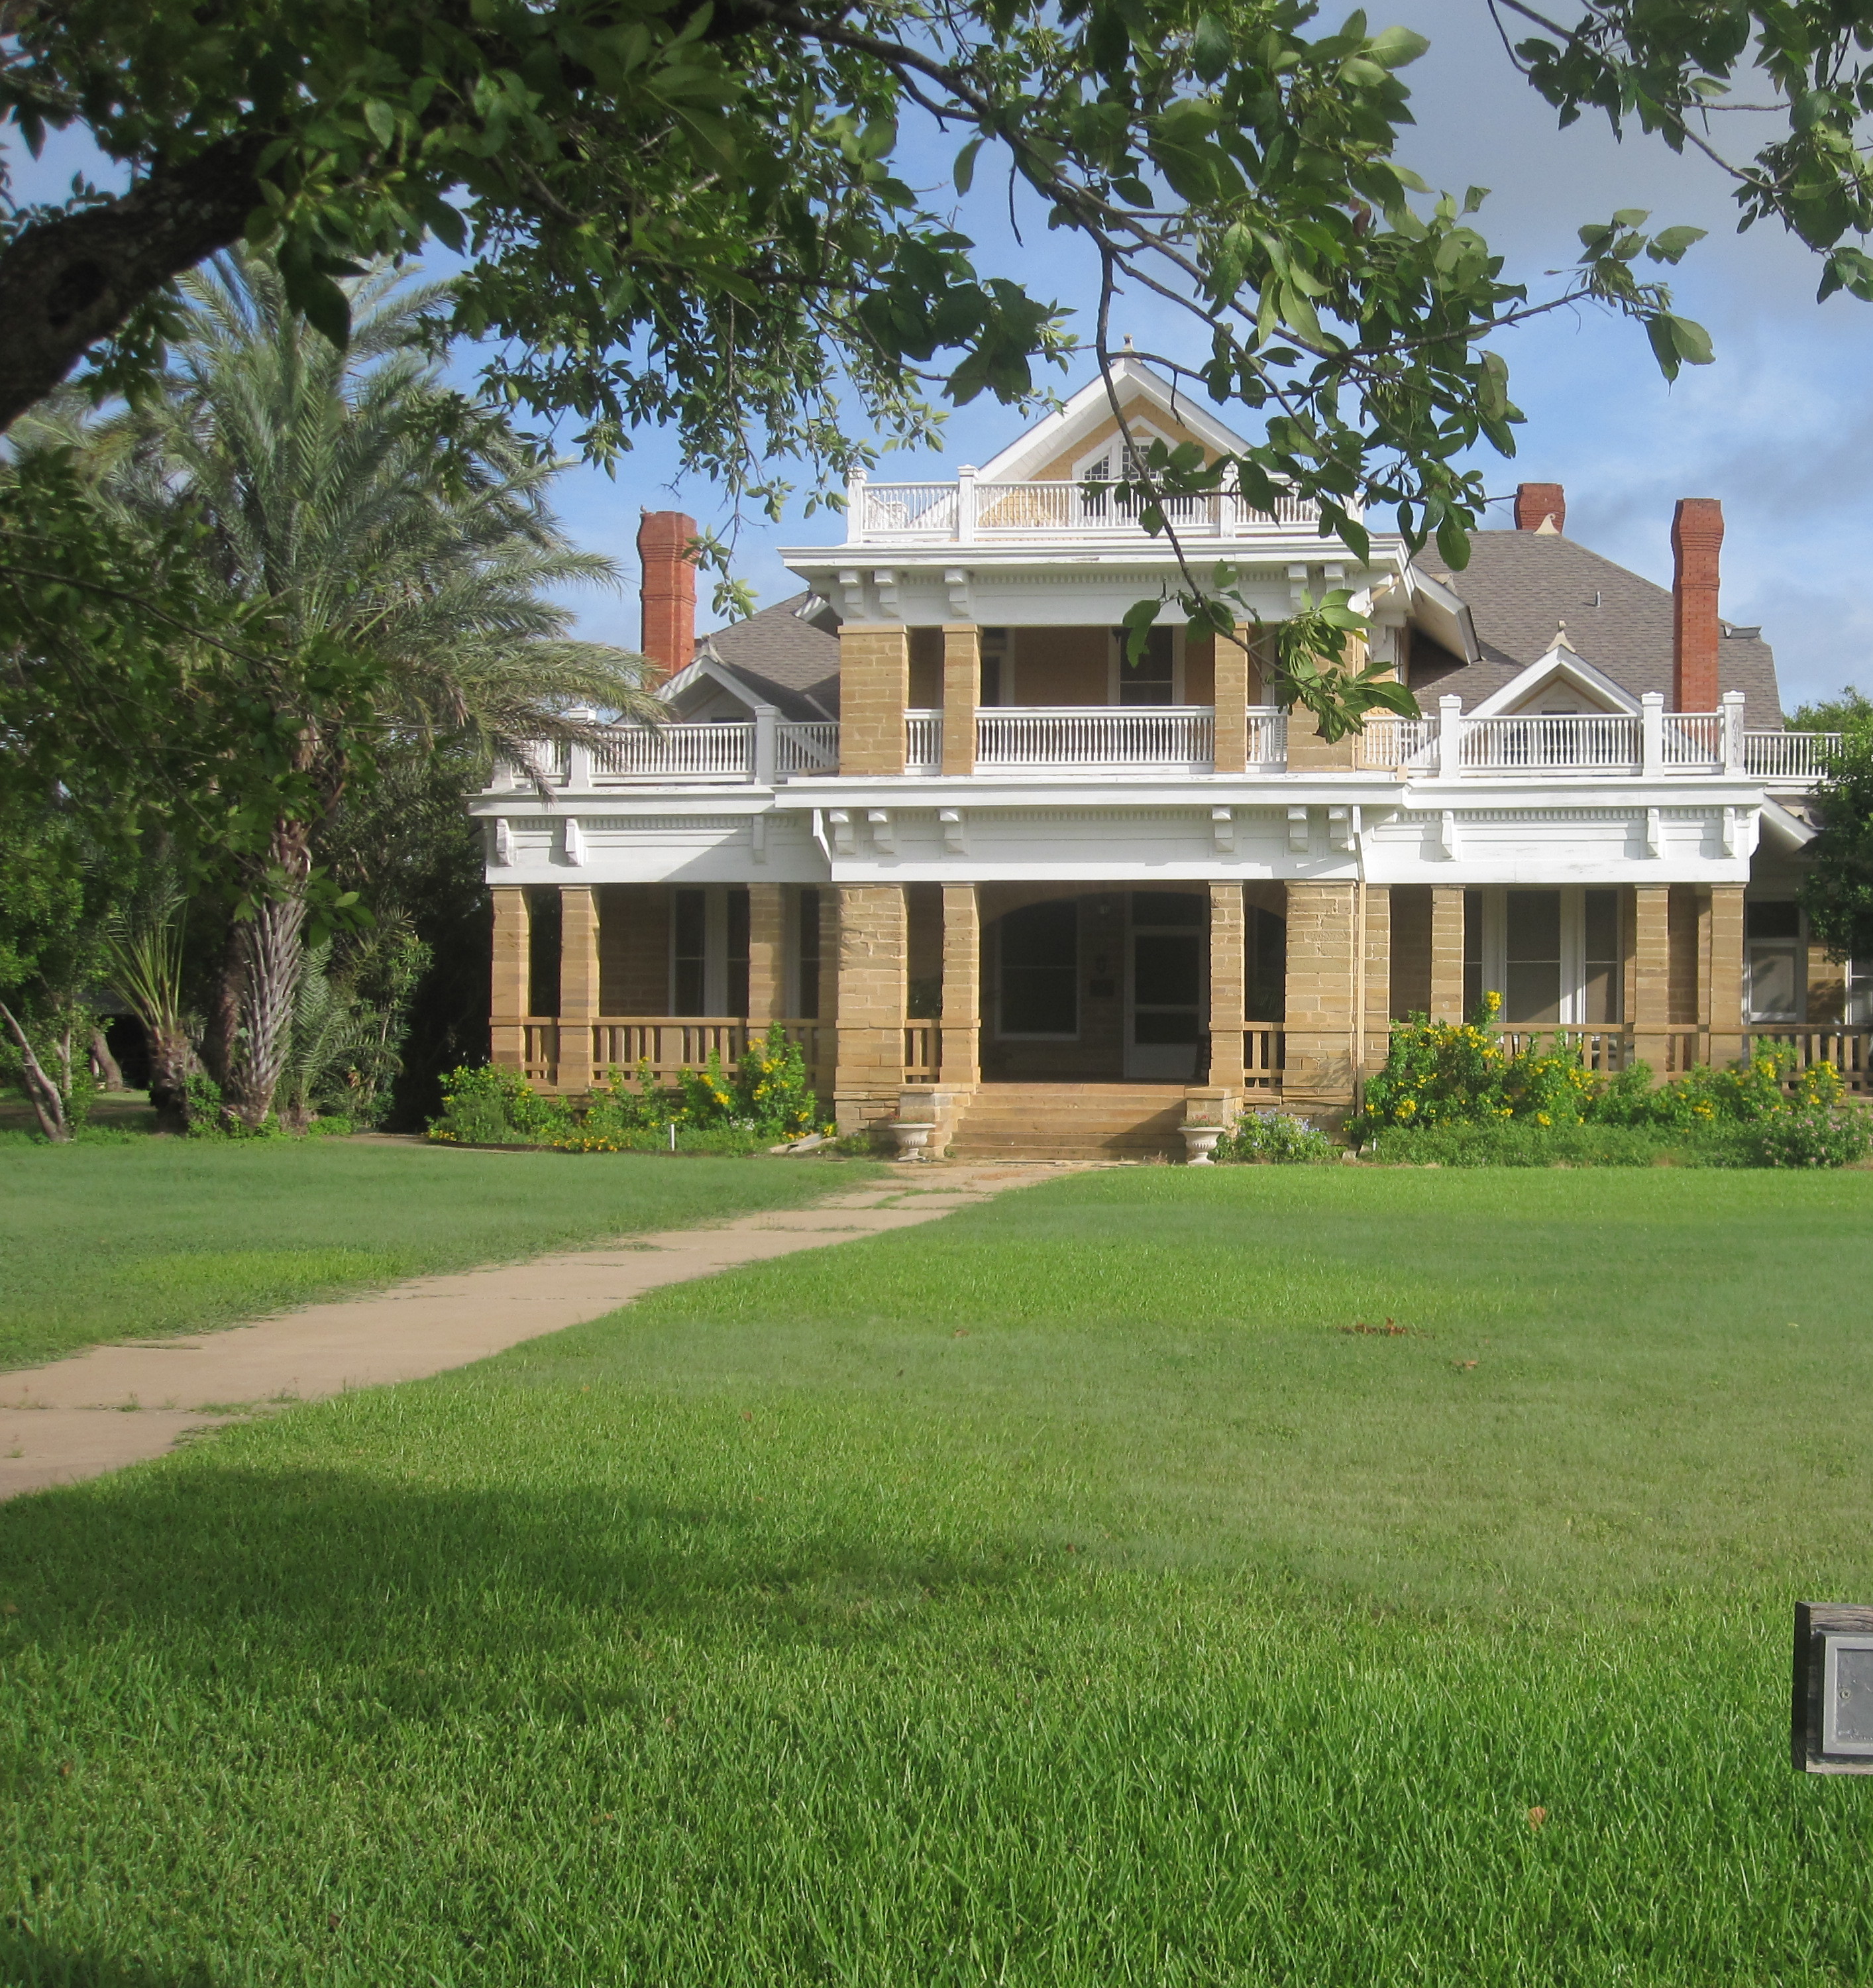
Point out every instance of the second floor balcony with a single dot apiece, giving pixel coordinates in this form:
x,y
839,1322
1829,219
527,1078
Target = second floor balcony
x,y
970,512
1065,742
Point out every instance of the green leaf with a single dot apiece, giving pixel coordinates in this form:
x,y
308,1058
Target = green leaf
x,y
1397,48
964,171
1212,48
1670,245
383,122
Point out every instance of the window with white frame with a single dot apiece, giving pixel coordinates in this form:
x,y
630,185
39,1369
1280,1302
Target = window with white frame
x,y
1775,960
1555,955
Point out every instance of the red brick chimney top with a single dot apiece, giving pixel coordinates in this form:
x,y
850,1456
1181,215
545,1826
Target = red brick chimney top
x,y
1539,506
667,590
1697,636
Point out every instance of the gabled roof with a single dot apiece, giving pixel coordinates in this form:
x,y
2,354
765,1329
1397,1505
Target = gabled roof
x,y
1081,418
1559,666
787,656
1520,586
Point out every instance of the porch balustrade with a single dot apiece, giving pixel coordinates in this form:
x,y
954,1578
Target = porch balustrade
x,y
668,1044
1794,756
1050,738
1181,738
969,510
1608,1050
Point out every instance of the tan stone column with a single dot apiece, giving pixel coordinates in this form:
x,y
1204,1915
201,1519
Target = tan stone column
x,y
1447,952
509,991
1378,975
1319,1069
578,985
872,947
961,1039
874,686
962,693
1228,991
1651,980
767,956
1728,1043
1235,667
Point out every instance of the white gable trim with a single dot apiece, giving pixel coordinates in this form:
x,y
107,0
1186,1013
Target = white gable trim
x,y
1443,615
1559,666
707,667
1087,408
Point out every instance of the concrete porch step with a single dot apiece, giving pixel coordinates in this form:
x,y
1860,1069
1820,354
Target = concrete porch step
x,y
1069,1121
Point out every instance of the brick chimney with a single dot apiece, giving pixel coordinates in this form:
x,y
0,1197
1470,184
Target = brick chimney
x,y
668,590
1697,541
1540,507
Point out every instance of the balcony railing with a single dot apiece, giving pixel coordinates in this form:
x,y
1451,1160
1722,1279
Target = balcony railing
x,y
1062,738
1052,738
967,512
1795,756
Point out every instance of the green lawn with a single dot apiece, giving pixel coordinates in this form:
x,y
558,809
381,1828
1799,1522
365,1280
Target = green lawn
x,y
1057,1595
114,1241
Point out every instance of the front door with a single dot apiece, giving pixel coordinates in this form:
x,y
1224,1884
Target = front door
x,y
1163,1007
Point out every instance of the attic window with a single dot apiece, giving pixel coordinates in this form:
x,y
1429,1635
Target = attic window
x,y
1117,460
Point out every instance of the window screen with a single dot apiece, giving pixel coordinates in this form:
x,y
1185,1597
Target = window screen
x,y
689,948
1604,989
1040,970
1533,948
809,955
1151,680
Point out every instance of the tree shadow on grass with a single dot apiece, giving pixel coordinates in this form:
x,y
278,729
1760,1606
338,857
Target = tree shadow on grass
x,y
330,1565
29,1962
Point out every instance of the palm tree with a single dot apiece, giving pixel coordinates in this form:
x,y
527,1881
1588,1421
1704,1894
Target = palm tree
x,y
400,545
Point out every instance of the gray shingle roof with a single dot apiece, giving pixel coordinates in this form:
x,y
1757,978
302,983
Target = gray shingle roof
x,y
784,661
1520,584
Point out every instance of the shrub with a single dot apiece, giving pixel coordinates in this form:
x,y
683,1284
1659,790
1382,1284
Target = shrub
x,y
766,1099
1270,1139
488,1104
1523,1143
1812,1135
207,1117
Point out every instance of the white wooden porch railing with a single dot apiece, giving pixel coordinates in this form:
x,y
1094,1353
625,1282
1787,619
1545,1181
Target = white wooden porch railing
x,y
1787,755
923,742
809,748
967,510
1182,739
721,752
1582,742
1043,737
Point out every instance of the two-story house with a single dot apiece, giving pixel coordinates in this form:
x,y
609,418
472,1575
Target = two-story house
x,y
1015,894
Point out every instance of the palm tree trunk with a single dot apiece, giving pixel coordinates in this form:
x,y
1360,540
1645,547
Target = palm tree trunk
x,y
272,944
172,1063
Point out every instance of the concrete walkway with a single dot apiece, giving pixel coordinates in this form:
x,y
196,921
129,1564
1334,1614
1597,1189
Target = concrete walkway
x,y
116,1405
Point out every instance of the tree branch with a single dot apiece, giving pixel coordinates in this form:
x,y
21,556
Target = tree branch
x,y
67,283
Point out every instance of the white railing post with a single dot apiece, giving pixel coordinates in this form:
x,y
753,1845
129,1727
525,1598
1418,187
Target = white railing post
x,y
1449,737
1732,702
965,505
855,508
766,718
1651,734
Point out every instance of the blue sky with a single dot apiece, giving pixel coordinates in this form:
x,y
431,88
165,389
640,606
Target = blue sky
x,y
1778,428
